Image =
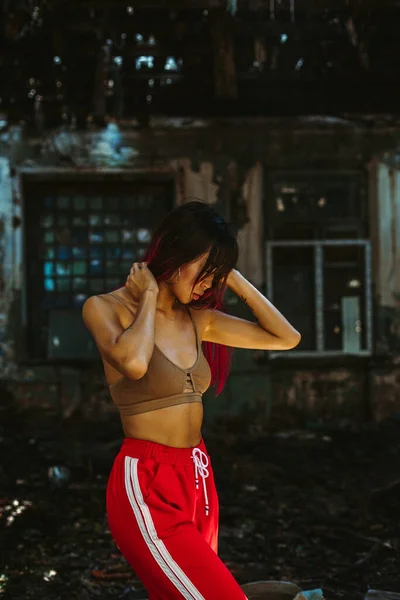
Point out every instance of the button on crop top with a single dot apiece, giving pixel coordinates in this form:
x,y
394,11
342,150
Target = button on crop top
x,y
164,383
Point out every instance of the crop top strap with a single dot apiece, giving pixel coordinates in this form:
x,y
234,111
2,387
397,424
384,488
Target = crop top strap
x,y
123,303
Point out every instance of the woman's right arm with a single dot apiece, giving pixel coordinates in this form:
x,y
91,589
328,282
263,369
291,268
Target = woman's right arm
x,y
127,350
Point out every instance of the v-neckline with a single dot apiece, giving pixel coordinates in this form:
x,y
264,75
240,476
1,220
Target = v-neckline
x,y
197,347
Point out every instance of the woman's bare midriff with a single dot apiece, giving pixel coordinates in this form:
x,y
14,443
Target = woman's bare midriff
x,y
178,426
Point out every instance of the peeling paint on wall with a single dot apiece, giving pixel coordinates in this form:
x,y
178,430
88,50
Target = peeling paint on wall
x,y
334,393
204,161
385,393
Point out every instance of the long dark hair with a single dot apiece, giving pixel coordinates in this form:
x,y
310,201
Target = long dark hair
x,y
184,235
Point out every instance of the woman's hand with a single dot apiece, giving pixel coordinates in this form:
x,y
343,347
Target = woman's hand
x,y
140,280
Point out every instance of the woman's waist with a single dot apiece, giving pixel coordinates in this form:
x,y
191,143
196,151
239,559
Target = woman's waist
x,y
144,449
177,426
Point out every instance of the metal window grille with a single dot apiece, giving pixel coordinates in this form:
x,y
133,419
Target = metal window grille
x,y
81,240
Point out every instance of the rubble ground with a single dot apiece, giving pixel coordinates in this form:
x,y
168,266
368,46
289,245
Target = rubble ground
x,y
318,507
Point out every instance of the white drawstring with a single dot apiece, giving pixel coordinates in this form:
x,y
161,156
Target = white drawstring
x,y
200,467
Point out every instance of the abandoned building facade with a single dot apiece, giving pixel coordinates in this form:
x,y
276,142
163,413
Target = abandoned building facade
x,y
315,200
318,225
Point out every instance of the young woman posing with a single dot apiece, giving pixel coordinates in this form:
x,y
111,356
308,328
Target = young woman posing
x,y
162,503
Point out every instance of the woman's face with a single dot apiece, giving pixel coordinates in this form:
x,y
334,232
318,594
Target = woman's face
x,y
186,289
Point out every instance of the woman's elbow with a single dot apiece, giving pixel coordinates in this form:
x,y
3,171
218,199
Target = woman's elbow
x,y
135,370
292,341
128,367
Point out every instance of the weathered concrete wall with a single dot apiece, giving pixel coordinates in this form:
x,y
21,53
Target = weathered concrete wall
x,y
215,160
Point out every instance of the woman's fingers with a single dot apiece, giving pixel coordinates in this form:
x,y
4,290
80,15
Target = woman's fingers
x,y
137,265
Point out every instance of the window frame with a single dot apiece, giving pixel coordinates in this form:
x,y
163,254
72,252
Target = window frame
x,y
318,246
31,352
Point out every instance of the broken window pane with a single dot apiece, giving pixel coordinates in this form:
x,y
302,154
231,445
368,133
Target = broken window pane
x,y
49,202
63,268
112,219
294,289
112,236
113,252
96,267
112,266
79,252
46,221
96,252
128,235
128,203
291,202
79,221
344,291
79,284
79,299
79,203
146,62
125,267
96,236
95,220
351,324
143,235
79,268
63,202
128,221
48,268
96,286
49,285
63,284
316,198
64,252
62,220
129,253
96,203
49,252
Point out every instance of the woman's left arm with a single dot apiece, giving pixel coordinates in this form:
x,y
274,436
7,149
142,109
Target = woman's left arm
x,y
271,332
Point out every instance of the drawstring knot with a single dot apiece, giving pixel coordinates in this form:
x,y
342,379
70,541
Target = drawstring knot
x,y
200,460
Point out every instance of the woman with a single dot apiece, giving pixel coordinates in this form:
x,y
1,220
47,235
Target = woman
x,y
162,504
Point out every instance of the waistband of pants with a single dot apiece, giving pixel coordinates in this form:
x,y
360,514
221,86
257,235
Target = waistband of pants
x,y
164,454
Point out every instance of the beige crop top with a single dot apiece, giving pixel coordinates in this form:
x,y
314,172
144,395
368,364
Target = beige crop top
x,y
164,383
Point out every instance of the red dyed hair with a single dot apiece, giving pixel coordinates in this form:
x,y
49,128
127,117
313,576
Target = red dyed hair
x,y
184,235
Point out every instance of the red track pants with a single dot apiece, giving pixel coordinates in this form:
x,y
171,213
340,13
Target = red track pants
x,y
162,509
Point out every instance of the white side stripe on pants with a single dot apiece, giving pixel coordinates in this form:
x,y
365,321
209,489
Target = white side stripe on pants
x,y
156,546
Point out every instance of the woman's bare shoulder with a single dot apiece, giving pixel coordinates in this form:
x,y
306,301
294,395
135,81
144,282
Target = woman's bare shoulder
x,y
96,307
102,305
100,302
201,317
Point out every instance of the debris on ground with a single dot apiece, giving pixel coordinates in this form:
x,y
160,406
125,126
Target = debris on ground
x,y
318,508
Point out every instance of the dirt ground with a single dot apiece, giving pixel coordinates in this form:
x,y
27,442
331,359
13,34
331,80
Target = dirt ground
x,y
318,507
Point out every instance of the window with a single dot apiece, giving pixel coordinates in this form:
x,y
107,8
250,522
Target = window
x,y
324,289
81,239
319,261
